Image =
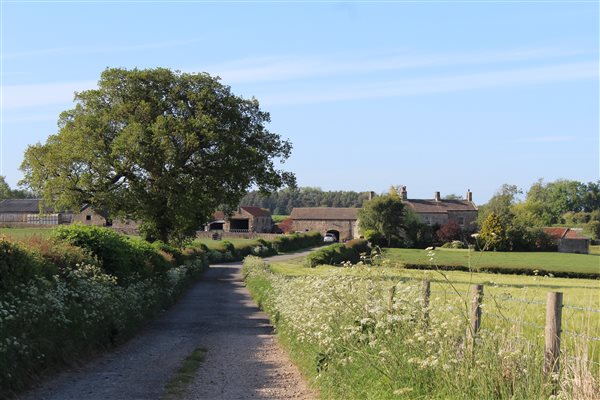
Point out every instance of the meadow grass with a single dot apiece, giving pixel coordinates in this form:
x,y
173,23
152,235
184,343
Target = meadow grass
x,y
333,322
550,262
595,249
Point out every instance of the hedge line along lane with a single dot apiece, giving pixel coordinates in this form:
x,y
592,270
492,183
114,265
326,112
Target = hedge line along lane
x,y
243,359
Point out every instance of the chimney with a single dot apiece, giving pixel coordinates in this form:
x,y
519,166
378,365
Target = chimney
x,y
437,196
469,195
403,193
371,195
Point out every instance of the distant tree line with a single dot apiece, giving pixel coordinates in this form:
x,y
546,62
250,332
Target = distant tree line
x,y
516,223
282,201
7,193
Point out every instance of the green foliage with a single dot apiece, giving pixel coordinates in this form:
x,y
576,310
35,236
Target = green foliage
x,y
119,255
455,244
160,147
385,215
374,237
594,228
493,233
339,253
7,193
81,307
297,241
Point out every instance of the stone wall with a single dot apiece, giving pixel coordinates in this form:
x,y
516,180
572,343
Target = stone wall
x,y
348,228
468,218
580,246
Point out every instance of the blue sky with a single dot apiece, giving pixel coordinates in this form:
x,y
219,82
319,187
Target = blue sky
x,y
444,96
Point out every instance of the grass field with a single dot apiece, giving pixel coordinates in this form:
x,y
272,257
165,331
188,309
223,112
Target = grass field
x,y
595,249
550,262
23,233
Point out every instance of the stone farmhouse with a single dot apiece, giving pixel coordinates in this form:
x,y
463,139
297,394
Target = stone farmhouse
x,y
89,216
26,212
438,211
342,222
245,219
569,240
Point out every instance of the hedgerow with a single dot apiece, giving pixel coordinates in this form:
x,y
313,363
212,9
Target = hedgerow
x,y
339,253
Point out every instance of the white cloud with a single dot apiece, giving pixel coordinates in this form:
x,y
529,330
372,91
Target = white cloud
x,y
280,68
21,96
437,84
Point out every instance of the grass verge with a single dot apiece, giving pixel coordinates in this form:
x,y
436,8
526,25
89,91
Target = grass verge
x,y
177,386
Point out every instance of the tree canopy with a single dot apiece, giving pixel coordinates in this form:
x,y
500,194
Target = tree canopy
x,y
160,147
384,215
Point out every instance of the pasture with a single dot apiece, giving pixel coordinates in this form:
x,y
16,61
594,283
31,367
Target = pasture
x,y
24,233
526,261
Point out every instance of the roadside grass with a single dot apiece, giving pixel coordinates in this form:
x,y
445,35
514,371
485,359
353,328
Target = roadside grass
x,y
24,233
177,386
386,363
549,262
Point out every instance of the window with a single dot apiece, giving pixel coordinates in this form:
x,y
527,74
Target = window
x,y
88,217
461,221
427,220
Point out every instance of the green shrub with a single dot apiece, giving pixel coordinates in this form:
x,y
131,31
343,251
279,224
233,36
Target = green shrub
x,y
296,241
339,253
119,255
17,265
455,244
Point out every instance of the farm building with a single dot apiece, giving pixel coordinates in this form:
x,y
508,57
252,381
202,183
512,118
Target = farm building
x,y
89,216
438,211
342,222
569,240
24,212
245,219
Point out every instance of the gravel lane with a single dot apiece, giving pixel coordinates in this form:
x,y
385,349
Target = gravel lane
x,y
243,358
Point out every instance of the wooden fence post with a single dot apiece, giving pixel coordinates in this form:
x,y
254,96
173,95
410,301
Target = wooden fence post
x,y
425,294
554,303
475,311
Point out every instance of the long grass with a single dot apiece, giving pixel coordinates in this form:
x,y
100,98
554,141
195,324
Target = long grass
x,y
343,329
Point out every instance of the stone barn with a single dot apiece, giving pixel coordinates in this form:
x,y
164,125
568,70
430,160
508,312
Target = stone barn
x,y
245,219
569,240
342,222
438,211
89,216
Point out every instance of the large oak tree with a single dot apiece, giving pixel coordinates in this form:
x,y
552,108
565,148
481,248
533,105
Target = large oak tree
x,y
160,147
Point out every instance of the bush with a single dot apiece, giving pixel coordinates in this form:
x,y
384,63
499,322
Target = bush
x,y
17,265
119,255
375,238
455,244
339,253
297,241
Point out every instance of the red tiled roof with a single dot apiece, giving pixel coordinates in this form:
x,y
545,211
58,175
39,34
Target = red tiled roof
x,y
556,233
441,206
563,233
256,211
324,213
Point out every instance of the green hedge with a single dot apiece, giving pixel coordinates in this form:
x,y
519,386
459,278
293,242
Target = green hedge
x,y
297,241
338,253
119,255
54,292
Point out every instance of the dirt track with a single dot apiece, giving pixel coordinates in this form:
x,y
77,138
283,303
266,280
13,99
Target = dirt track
x,y
243,358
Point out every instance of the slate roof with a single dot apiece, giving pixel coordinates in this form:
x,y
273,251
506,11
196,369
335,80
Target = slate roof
x,y
24,206
440,207
324,213
564,233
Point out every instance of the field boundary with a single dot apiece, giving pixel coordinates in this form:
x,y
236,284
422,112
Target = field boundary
x,y
507,270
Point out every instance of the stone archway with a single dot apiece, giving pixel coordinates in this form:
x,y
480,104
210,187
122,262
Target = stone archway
x,y
336,233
